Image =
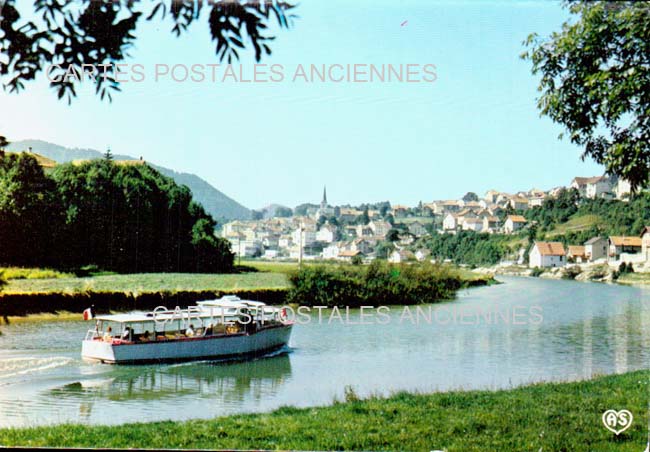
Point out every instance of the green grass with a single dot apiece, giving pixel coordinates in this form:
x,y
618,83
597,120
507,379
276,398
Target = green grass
x,y
150,282
543,417
32,273
576,224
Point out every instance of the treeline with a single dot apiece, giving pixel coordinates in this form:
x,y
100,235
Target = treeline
x,y
377,284
124,218
469,247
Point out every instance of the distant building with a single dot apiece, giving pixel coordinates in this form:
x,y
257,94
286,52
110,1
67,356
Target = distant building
x,y
577,254
399,256
547,255
519,203
379,227
596,248
592,187
645,243
417,229
514,223
472,224
327,233
450,222
619,245
622,189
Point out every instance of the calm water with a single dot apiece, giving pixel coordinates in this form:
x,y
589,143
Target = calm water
x,y
523,331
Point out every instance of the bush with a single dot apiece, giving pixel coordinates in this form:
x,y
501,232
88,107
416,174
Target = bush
x,y
379,283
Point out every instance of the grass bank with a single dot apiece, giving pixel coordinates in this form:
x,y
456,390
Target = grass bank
x,y
546,417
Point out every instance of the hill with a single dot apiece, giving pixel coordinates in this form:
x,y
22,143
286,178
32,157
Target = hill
x,y
217,204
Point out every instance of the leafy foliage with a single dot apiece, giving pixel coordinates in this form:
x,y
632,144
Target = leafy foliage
x,y
100,33
555,210
595,81
378,284
469,247
126,218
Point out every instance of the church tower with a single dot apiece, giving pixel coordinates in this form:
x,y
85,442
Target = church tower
x,y
323,203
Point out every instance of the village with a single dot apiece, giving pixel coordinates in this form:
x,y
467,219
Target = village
x,y
394,232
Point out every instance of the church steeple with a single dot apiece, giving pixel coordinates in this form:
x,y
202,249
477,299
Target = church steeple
x,y
323,203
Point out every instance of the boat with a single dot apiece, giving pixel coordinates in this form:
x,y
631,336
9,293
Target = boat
x,y
214,329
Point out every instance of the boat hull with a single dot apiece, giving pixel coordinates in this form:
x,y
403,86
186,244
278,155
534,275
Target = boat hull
x,y
188,349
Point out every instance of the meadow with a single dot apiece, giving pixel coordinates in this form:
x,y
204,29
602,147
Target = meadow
x,y
541,417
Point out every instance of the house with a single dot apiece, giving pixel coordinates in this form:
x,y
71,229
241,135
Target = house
x,y
596,248
327,233
622,189
645,243
536,201
380,227
592,187
472,224
576,253
332,251
514,223
422,255
619,245
399,256
547,255
417,229
364,231
491,196
399,211
519,203
246,248
450,222
490,223
302,236
347,214
348,255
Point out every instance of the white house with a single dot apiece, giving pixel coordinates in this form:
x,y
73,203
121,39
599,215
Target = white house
x,y
308,237
399,256
472,224
513,223
596,248
490,223
547,254
450,222
519,203
622,189
379,227
592,187
331,251
327,233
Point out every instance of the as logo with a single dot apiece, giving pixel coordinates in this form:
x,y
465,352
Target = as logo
x,y
617,421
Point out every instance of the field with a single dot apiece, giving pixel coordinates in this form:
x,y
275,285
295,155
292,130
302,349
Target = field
x,y
149,282
542,417
576,224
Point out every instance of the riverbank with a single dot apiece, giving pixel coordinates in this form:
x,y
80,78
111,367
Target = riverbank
x,y
580,272
547,416
264,281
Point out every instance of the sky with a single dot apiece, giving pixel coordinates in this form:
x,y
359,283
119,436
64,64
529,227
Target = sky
x,y
476,127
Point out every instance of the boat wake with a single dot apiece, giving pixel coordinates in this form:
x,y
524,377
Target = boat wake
x,y
13,367
282,351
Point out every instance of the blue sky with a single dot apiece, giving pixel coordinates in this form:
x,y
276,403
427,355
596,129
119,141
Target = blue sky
x,y
475,128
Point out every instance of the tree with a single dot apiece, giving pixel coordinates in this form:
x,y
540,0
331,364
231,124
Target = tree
x,y
283,212
595,81
99,33
108,155
3,143
470,196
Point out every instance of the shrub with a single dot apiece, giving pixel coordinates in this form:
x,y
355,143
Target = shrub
x,y
379,283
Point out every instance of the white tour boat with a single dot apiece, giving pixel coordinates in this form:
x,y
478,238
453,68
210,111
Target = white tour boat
x,y
215,329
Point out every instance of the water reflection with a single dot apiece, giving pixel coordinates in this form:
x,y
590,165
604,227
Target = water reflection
x,y
225,384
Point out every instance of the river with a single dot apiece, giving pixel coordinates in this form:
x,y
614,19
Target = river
x,y
525,330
